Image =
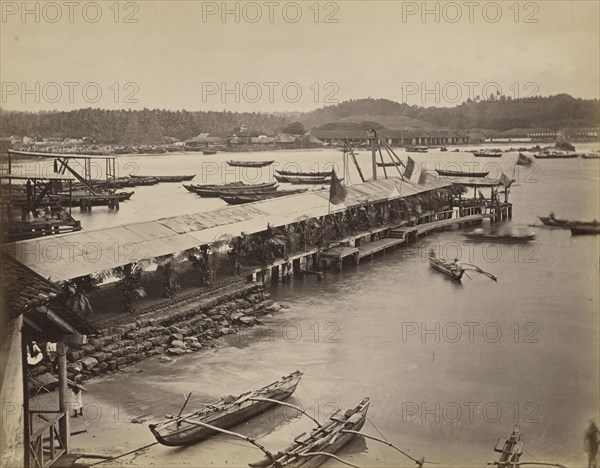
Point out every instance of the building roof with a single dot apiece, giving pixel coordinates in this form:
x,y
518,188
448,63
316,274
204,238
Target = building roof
x,y
126,244
284,138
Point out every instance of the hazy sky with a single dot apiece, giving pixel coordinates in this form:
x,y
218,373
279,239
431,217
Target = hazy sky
x,y
292,56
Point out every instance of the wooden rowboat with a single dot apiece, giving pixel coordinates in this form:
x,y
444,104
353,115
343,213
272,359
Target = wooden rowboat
x,y
249,198
224,413
328,439
389,164
443,173
446,268
250,163
175,178
480,235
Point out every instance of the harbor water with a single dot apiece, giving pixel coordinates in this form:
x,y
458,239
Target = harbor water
x,y
449,367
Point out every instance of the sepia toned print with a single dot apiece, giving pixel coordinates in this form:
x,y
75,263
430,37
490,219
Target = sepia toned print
x,y
300,233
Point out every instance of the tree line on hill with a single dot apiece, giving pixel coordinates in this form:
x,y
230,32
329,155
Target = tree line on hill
x,y
110,126
495,113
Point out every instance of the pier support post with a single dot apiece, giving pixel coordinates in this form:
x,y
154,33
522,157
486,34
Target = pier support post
x,y
63,404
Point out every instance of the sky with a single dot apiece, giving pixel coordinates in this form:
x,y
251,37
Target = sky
x,y
292,56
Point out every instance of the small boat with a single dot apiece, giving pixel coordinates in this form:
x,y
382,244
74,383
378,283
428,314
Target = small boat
x,y
207,152
303,180
303,174
480,235
225,413
151,150
249,198
488,153
329,438
175,178
417,149
549,154
579,228
95,200
446,268
219,190
250,163
389,164
554,222
595,155
460,173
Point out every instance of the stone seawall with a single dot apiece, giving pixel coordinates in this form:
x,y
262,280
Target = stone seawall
x,y
179,329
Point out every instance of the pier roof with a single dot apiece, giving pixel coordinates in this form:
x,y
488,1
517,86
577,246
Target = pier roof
x,y
60,258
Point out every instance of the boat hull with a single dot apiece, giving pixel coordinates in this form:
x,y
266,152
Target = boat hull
x,y
460,173
583,229
500,238
329,439
178,433
554,222
241,199
444,268
250,163
302,180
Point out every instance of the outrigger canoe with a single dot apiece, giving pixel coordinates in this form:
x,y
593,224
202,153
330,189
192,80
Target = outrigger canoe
x,y
446,268
330,438
223,414
250,163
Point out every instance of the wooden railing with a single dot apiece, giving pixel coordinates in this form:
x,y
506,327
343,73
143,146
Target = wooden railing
x,y
45,443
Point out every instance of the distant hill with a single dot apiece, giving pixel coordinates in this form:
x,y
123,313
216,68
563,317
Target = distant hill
x,y
498,113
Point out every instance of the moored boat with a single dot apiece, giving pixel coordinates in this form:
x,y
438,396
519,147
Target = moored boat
x,y
553,154
496,236
488,153
225,413
240,199
250,163
595,155
303,180
448,268
417,149
554,222
580,228
100,199
445,173
389,164
329,439
238,189
303,174
175,178
207,152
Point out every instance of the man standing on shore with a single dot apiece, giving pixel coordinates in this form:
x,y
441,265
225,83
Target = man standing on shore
x,y
592,442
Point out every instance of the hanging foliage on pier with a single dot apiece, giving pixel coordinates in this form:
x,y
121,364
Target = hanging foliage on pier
x,y
130,287
170,268
77,291
205,269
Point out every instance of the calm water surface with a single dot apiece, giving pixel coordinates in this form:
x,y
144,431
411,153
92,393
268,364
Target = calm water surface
x,y
448,395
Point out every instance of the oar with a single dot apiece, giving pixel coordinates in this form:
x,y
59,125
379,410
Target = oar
x,y
419,462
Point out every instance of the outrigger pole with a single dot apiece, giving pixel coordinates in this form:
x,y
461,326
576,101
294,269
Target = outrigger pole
x,y
325,454
283,403
234,434
419,462
479,270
